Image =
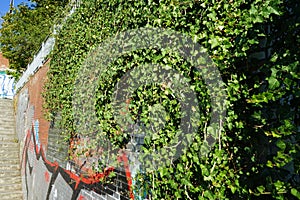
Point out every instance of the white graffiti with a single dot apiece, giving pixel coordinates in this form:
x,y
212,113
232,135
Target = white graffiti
x,y
7,84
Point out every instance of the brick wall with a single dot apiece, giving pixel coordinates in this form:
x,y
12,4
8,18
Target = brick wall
x,y
46,173
29,107
3,62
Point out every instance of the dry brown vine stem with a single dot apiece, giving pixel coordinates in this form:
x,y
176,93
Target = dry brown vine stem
x,y
187,195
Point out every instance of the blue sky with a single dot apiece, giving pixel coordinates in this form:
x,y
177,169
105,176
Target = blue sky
x,y
4,5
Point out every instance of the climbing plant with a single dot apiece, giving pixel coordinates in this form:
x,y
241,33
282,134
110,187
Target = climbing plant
x,y
255,46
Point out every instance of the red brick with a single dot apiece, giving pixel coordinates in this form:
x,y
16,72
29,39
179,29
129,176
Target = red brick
x,y
3,62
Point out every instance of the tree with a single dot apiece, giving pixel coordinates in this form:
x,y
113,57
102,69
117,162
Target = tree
x,y
24,29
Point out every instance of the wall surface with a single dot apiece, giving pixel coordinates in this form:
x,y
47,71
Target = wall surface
x,y
3,62
46,171
6,81
6,85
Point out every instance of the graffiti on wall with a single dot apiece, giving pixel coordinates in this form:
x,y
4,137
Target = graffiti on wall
x,y
22,113
6,85
55,181
43,179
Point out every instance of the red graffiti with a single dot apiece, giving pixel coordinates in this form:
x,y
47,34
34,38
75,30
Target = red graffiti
x,y
54,168
124,158
47,176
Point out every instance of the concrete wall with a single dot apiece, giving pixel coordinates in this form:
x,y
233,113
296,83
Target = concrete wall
x,y
46,171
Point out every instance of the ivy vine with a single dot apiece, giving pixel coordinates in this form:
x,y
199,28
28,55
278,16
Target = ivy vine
x,y
258,155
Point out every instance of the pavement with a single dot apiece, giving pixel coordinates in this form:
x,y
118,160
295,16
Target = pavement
x,y
10,171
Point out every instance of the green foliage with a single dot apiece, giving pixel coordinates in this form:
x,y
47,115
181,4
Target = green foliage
x,y
25,28
258,156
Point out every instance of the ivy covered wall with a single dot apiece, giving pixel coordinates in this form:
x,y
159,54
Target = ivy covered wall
x,y
255,47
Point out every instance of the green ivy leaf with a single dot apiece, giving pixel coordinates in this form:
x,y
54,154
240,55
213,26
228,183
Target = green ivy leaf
x,y
273,83
295,192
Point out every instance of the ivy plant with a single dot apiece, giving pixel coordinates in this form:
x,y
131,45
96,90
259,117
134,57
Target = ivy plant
x,y
254,44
